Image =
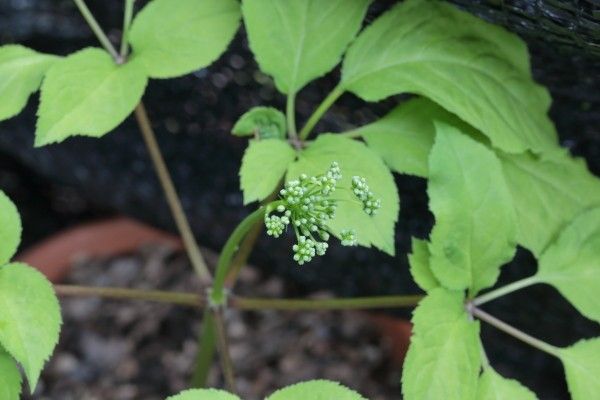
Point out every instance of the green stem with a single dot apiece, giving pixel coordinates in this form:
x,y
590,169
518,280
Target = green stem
x,y
223,345
511,330
322,109
241,257
231,246
290,113
240,303
127,17
164,177
326,304
89,18
178,298
206,350
504,290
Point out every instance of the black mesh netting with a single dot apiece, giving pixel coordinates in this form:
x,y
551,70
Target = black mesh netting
x,y
193,116
570,25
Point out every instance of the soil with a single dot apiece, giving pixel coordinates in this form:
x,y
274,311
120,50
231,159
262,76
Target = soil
x,y
138,350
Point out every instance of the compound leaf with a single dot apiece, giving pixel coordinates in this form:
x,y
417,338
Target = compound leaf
x,y
419,265
10,378
174,38
87,94
354,159
264,164
204,394
582,367
443,358
547,195
10,229
315,390
297,41
263,122
21,73
30,319
493,386
475,229
475,70
572,263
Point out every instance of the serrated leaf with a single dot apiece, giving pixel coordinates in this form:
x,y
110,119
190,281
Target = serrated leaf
x,y
263,122
21,73
547,195
419,265
172,39
493,386
443,358
10,378
403,137
572,263
475,229
204,394
10,229
87,94
582,367
354,158
30,319
297,41
316,390
473,69
263,166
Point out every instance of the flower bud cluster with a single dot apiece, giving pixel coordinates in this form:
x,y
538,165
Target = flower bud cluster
x,y
363,193
307,206
276,224
304,250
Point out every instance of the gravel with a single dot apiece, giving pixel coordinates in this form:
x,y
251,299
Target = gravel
x,y
138,350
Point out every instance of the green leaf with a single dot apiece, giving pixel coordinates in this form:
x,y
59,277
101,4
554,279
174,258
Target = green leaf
x,y
403,138
263,166
10,229
354,158
10,378
547,195
475,229
263,122
582,367
297,41
316,390
492,386
473,69
204,394
175,38
419,265
30,319
87,94
21,73
572,263
443,358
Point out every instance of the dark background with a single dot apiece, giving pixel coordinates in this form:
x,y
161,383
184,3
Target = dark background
x,y
83,179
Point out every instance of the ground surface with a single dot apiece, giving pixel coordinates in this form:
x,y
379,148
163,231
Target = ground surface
x,y
122,350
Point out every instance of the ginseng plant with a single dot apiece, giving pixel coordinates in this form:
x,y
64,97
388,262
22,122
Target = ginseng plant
x,y
476,129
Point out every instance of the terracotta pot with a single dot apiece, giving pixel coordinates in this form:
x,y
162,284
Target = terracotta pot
x,y
396,331
55,255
